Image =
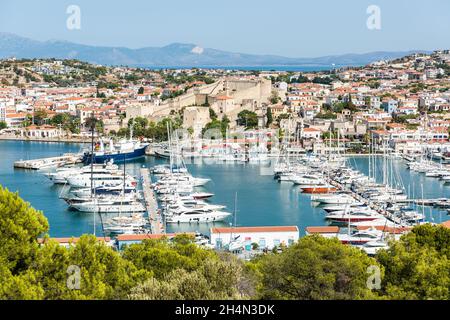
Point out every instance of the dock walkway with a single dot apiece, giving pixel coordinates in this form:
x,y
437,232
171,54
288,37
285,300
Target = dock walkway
x,y
45,163
154,215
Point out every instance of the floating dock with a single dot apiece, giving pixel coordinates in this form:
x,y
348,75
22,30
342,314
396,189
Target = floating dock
x,y
154,214
44,163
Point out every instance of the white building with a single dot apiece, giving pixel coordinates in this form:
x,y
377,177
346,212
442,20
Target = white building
x,y
2,113
15,119
44,131
265,237
311,133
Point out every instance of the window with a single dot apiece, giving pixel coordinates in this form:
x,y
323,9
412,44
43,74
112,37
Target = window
x,y
276,242
262,243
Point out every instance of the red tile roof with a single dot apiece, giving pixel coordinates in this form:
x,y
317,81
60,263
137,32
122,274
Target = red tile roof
x,y
311,130
322,230
223,98
446,224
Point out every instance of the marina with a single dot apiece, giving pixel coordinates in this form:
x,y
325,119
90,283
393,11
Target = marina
x,y
274,203
214,159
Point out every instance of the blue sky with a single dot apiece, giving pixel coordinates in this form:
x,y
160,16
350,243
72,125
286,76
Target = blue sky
x,y
294,28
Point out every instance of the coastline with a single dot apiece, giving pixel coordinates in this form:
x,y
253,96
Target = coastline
x,y
54,140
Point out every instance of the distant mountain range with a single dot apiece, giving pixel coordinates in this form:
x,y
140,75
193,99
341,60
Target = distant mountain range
x,y
173,55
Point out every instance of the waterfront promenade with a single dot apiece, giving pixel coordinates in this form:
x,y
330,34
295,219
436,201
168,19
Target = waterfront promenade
x,y
64,140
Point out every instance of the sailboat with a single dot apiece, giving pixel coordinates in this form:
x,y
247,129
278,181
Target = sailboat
x,y
236,243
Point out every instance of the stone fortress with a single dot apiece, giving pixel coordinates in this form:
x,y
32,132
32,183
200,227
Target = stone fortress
x,y
228,96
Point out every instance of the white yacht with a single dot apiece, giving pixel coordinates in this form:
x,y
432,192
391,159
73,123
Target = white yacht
x,y
355,216
361,236
83,180
61,174
110,206
196,216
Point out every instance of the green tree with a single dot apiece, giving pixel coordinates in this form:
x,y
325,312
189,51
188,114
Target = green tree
x,y
225,123
3,125
327,115
123,132
40,116
20,226
141,90
213,125
269,116
322,80
274,98
212,114
221,277
315,268
18,287
248,119
418,266
139,126
104,273
94,123
160,257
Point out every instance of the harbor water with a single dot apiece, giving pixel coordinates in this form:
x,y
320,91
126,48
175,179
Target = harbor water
x,y
261,200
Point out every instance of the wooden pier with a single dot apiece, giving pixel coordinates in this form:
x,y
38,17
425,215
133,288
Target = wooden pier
x,y
154,215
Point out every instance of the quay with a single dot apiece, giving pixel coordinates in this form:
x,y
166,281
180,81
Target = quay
x,y
154,215
370,204
37,164
54,140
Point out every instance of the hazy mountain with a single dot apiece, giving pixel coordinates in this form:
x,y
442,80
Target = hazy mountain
x,y
176,54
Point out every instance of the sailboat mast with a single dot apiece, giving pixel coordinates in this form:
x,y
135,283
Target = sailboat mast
x,y
92,154
92,164
234,216
124,173
235,208
170,147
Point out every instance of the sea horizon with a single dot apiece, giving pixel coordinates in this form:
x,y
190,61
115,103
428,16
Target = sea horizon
x,y
276,68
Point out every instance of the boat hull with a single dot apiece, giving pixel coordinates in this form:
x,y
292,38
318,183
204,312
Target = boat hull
x,y
116,157
319,190
197,218
351,219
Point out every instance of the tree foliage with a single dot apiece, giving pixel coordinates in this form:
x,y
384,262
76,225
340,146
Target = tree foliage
x,y
67,122
415,267
269,116
157,131
248,119
20,225
219,277
418,266
315,268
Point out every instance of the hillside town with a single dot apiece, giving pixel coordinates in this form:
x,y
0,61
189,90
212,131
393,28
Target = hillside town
x,y
230,159
403,104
